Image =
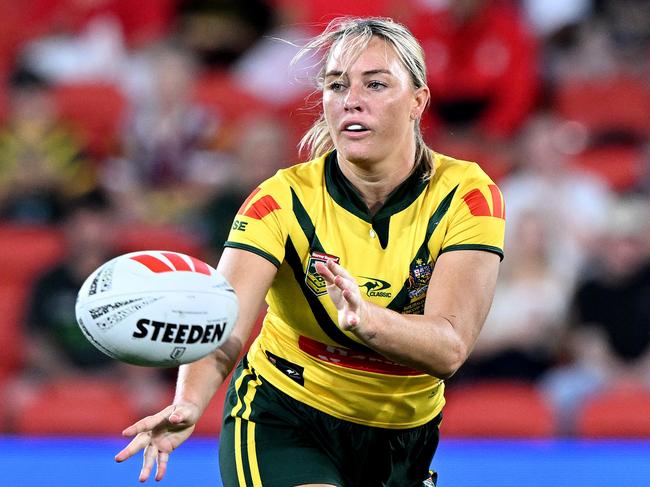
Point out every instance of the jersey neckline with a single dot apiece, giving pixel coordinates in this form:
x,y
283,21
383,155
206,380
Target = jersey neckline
x,y
347,196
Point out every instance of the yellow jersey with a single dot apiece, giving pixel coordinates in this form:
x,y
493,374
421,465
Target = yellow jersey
x,y
310,212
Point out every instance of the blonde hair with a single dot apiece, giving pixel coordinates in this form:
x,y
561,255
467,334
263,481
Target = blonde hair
x,y
354,34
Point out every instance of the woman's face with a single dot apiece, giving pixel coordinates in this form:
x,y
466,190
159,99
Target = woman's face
x,y
370,105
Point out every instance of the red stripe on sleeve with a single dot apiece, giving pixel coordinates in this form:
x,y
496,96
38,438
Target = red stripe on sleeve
x,y
152,263
477,203
247,200
262,207
497,202
177,261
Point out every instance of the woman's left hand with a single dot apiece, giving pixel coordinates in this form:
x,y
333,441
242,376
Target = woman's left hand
x,y
344,292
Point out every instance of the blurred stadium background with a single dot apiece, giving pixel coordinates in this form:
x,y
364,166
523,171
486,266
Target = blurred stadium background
x,y
131,125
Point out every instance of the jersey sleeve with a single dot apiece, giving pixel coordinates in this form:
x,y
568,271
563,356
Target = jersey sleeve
x,y
477,215
261,224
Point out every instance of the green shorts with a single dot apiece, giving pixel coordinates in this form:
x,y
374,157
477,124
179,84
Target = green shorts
x,y
269,439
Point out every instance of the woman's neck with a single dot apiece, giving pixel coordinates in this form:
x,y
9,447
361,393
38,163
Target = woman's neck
x,y
375,182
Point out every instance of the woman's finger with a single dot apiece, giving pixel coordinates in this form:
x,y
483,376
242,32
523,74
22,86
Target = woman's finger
x,y
150,455
325,273
161,462
338,270
148,423
134,446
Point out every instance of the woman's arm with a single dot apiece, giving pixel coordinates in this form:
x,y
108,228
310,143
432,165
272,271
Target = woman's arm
x,y
439,341
198,381
161,433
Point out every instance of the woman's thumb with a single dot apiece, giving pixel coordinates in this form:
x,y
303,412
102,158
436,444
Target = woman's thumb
x,y
177,416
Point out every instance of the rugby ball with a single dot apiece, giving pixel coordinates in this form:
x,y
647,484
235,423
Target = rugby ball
x,y
156,308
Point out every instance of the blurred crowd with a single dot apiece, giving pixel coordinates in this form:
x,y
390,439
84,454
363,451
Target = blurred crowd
x,y
128,125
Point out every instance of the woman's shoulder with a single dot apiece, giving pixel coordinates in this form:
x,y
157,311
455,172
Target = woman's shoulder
x,y
458,170
308,173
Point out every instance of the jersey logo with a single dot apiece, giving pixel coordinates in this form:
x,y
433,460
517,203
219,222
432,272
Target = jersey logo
x,y
417,286
478,204
176,263
262,207
315,282
291,370
419,277
375,287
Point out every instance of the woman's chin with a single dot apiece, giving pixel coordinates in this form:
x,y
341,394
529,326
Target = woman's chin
x,y
356,156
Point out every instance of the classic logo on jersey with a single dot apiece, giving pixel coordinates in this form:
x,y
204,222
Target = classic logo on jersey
x,y
260,208
375,287
478,203
313,279
176,262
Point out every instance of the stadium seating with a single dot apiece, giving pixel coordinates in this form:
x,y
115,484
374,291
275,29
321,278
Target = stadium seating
x,y
218,91
496,409
95,111
622,412
12,308
77,406
620,166
618,104
27,250
4,403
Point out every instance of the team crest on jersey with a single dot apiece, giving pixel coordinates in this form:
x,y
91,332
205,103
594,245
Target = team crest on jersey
x,y
417,286
419,277
313,279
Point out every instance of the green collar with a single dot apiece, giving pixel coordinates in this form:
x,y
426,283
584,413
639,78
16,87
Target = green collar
x,y
347,196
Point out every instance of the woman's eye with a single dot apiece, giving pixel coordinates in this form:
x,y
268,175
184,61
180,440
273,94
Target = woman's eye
x,y
335,86
376,85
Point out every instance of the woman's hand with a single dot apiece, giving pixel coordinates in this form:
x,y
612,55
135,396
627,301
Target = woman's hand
x,y
344,292
159,435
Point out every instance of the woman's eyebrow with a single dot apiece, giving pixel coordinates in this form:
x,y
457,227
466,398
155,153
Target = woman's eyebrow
x,y
370,72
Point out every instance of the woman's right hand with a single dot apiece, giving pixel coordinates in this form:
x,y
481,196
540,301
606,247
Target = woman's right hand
x,y
159,435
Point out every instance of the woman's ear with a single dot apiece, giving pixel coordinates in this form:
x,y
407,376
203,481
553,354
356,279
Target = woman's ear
x,y
421,100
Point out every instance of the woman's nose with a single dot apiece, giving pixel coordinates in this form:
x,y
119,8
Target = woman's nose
x,y
352,100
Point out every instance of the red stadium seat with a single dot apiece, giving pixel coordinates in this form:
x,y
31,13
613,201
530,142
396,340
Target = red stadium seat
x,y
25,251
5,418
218,91
95,111
82,406
497,409
620,166
618,413
620,104
12,329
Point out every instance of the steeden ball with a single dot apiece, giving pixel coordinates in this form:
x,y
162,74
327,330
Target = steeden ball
x,y
156,308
